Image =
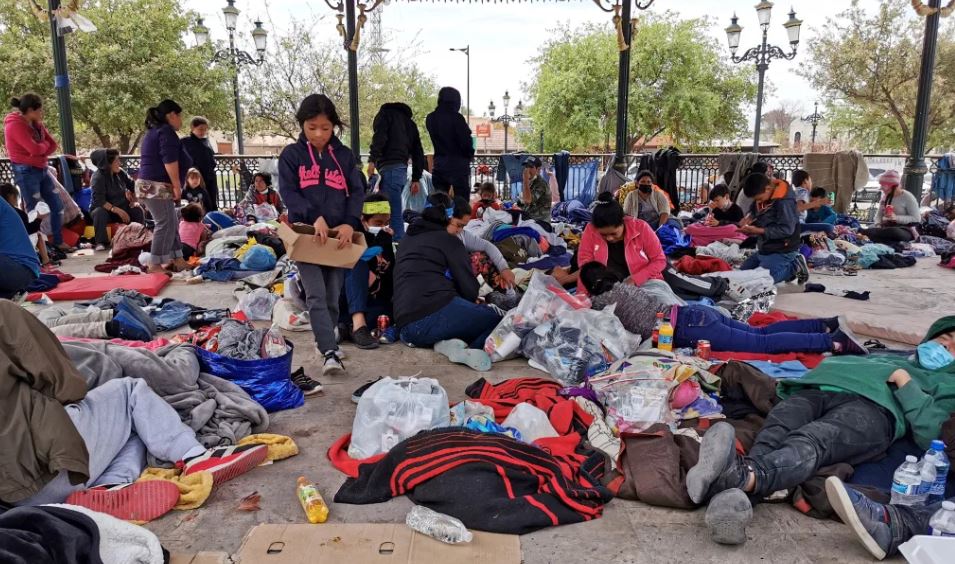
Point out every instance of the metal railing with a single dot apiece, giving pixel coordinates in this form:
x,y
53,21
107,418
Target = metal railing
x,y
694,172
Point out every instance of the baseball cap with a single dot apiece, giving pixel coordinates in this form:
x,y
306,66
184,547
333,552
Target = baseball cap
x,y
532,161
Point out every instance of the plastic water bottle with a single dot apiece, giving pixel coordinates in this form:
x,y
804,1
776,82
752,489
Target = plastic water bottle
x,y
438,526
926,477
942,523
942,465
905,482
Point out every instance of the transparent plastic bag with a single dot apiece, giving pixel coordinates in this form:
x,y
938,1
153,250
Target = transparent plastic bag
x,y
391,411
635,398
544,300
531,422
257,305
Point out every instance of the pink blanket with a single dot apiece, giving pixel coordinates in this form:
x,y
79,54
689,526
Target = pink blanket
x,y
148,345
703,235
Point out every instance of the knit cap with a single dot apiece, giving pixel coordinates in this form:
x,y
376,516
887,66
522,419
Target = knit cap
x,y
890,177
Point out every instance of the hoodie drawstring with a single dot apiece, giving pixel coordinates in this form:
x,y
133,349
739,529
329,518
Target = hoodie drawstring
x,y
340,169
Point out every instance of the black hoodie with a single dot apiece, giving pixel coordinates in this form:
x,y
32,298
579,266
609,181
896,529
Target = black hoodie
x,y
450,135
396,140
433,268
108,187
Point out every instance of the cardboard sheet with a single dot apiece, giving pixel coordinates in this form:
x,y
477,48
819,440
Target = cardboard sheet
x,y
302,247
369,543
199,558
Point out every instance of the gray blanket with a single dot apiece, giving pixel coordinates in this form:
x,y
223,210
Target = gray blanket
x,y
218,411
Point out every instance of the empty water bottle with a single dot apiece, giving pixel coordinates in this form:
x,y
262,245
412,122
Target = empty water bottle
x,y
942,523
926,477
937,492
438,526
905,482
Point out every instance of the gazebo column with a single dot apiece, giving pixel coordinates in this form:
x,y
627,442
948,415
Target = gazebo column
x,y
354,129
623,81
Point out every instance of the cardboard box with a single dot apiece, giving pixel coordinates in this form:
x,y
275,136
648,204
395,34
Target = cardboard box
x,y
301,246
370,543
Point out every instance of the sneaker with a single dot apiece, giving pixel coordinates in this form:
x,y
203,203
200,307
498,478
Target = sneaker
x,y
125,326
363,338
356,395
867,519
225,463
845,342
388,336
719,467
308,386
802,269
139,501
727,516
333,365
128,306
99,247
339,354
458,352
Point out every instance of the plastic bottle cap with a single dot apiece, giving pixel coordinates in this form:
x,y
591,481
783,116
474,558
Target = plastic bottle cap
x,y
911,458
948,506
938,445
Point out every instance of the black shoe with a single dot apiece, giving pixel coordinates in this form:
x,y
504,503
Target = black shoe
x,y
847,342
802,269
363,338
356,395
308,386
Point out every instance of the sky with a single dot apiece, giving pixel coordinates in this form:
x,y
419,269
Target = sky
x,y
504,37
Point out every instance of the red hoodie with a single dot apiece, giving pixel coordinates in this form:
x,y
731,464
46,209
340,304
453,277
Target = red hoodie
x,y
27,144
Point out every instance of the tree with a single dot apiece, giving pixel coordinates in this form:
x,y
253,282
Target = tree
x,y
869,63
680,87
777,121
134,60
297,64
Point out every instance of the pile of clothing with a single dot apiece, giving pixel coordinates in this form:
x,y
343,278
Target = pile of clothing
x,y
241,251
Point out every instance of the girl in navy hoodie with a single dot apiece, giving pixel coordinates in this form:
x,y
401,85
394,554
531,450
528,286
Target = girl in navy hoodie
x,y
321,185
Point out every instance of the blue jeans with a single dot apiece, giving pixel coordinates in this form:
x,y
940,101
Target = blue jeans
x,y
35,184
814,227
460,319
694,323
392,184
356,293
16,277
782,266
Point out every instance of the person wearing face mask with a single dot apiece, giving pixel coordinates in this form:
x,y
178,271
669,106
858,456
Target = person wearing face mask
x,y
848,409
898,209
487,200
648,202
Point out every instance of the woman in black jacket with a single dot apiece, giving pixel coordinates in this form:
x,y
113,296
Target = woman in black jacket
x,y
203,157
453,149
435,299
114,199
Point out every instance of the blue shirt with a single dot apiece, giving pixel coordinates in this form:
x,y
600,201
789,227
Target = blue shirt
x,y
161,146
14,241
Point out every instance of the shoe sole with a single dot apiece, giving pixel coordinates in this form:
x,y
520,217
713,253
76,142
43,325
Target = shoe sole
x,y
716,451
473,358
141,501
310,393
333,371
727,517
855,339
246,461
842,505
367,346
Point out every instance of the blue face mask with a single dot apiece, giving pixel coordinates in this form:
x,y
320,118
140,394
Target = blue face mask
x,y
932,355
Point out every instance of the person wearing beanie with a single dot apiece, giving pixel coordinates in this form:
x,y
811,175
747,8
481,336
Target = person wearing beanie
x,y
898,210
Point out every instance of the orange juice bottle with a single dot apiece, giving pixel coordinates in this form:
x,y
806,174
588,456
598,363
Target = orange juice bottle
x,y
666,336
311,500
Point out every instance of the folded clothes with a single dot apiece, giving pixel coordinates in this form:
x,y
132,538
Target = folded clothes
x,y
784,369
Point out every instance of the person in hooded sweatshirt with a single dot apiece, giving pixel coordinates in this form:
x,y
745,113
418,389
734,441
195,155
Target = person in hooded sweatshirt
x,y
395,141
774,221
114,198
321,185
436,292
451,138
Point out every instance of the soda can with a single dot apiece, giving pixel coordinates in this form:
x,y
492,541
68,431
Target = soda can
x,y
703,349
384,322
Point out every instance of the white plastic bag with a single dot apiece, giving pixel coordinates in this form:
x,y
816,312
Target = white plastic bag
x,y
544,300
391,411
257,304
287,316
531,422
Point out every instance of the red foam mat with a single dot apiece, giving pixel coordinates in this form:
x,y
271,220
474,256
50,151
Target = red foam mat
x,y
92,287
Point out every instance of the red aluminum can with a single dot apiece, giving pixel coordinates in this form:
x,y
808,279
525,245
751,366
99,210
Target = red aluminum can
x,y
384,322
703,349
889,209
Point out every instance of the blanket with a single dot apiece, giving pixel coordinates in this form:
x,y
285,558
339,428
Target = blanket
x,y
220,412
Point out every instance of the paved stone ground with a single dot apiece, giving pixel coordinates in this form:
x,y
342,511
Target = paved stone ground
x,y
629,532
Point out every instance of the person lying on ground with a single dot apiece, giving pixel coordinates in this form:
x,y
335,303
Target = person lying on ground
x,y
10,193
69,439
723,210
18,259
460,217
774,221
881,528
848,409
487,199
260,193
637,309
649,202
898,209
114,196
125,321
195,191
436,293
369,285
193,232
627,246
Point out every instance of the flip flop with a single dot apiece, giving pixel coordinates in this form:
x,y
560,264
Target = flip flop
x,y
457,351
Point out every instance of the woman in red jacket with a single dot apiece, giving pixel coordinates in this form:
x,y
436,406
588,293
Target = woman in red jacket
x,y
625,245
29,146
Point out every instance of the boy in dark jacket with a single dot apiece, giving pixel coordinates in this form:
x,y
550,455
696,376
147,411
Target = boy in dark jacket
x,y
395,141
453,149
114,200
774,221
321,185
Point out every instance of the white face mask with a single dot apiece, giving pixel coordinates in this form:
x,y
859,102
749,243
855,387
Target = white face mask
x,y
374,230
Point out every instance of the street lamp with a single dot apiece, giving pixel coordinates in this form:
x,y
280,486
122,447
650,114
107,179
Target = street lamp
x,y
235,57
467,51
764,53
814,118
506,118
